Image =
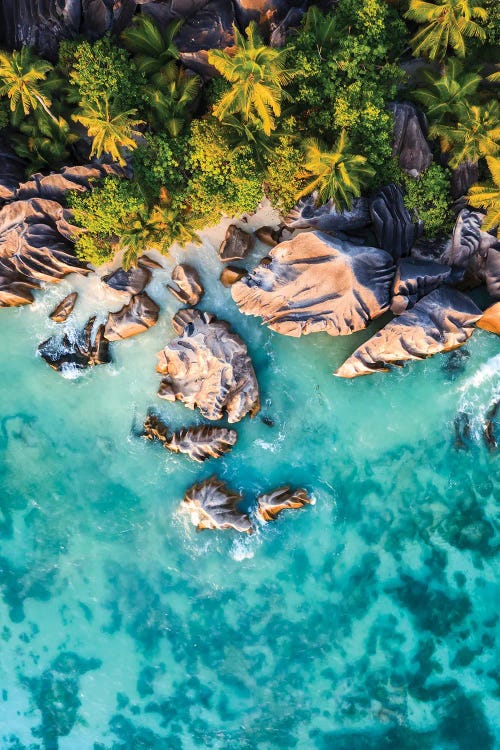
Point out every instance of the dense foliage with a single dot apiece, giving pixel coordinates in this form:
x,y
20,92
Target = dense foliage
x,y
312,116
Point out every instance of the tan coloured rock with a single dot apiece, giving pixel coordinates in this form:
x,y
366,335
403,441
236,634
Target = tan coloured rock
x,y
135,317
231,274
414,279
316,282
439,322
64,309
155,429
236,244
271,504
202,442
213,505
207,366
187,287
490,319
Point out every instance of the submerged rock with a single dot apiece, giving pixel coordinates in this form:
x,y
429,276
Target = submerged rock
x,y
132,281
439,322
155,428
208,367
213,505
231,274
490,319
409,145
35,245
64,309
414,279
236,244
187,287
135,317
317,283
270,505
489,426
85,350
396,233
326,218
202,442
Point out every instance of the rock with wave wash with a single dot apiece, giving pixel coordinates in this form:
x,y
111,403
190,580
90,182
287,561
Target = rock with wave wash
x,y
55,185
35,245
202,442
271,504
132,281
414,279
207,367
137,316
155,429
187,287
213,505
82,351
316,283
409,144
63,310
395,231
490,319
439,322
326,218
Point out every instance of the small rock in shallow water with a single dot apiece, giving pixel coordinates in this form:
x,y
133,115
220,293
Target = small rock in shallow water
x,y
273,503
84,351
489,426
202,442
154,428
231,274
236,244
213,505
187,287
64,309
137,316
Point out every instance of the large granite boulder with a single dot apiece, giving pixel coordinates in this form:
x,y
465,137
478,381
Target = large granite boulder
x,y
213,505
492,273
187,287
132,281
230,275
135,317
326,218
271,504
236,244
207,366
317,283
12,170
86,349
394,228
414,279
409,145
35,245
54,186
63,310
469,248
490,319
211,27
202,442
439,322
462,178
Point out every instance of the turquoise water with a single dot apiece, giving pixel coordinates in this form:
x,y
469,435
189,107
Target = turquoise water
x,y
368,620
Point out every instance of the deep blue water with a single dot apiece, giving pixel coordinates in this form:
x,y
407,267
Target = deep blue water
x,y
367,621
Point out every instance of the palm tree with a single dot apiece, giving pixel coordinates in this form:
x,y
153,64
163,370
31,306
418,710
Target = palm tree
x,y
168,98
488,196
476,133
446,90
448,23
151,47
140,233
43,141
257,75
23,79
321,27
175,221
110,131
337,174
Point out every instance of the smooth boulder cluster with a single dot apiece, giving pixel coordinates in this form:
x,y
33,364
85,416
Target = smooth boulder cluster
x,y
211,504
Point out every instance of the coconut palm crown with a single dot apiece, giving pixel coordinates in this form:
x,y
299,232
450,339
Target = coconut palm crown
x,y
444,91
488,196
447,23
476,133
110,131
23,79
152,48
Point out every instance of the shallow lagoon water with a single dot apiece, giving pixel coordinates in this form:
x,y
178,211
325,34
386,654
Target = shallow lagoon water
x,y
366,621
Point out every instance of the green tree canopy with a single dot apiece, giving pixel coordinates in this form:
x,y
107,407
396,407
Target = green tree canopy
x,y
152,48
488,195
446,23
444,91
24,80
111,131
476,133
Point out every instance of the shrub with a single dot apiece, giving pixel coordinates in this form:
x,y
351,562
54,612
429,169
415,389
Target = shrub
x,y
282,183
428,198
161,163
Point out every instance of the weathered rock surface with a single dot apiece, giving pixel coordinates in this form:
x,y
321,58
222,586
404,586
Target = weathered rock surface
x,y
490,319
414,279
187,287
35,246
54,186
213,505
394,228
211,27
281,30
489,426
326,218
12,170
208,367
236,244
231,274
409,144
492,272
64,309
271,504
202,442
155,429
469,249
135,317
317,283
132,281
463,177
85,350
439,322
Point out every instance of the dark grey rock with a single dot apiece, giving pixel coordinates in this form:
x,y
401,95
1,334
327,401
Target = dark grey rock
x,y
132,281
414,279
236,245
409,144
395,231
85,350
326,218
